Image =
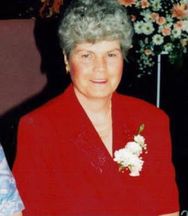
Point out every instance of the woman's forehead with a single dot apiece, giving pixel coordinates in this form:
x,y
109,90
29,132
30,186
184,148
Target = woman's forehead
x,y
99,46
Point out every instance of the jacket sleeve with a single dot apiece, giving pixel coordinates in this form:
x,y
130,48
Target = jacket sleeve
x,y
164,172
31,168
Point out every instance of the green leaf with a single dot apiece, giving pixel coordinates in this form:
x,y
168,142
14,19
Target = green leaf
x,y
141,128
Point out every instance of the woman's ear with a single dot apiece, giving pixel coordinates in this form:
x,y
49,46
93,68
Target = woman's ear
x,y
67,67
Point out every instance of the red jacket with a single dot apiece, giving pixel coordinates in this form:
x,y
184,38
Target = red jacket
x,y
63,168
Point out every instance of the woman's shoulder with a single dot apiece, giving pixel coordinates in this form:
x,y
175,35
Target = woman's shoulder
x,y
139,107
41,113
58,107
54,105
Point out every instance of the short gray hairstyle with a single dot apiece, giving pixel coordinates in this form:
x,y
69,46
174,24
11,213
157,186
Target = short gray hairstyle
x,y
95,20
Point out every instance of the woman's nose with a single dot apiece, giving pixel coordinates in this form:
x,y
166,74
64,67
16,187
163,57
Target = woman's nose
x,y
100,64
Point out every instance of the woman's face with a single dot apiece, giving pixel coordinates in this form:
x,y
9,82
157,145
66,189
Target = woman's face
x,y
96,68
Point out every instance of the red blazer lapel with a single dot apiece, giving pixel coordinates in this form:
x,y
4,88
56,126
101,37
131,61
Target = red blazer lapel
x,y
123,124
78,134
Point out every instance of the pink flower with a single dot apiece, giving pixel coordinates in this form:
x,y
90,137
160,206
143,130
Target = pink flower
x,y
127,3
144,4
166,31
155,16
178,25
161,20
133,18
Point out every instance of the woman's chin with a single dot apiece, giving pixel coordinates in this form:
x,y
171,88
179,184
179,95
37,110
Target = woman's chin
x,y
99,95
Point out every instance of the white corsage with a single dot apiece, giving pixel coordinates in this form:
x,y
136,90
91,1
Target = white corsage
x,y
129,157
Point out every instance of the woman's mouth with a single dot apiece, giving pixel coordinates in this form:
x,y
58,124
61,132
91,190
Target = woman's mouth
x,y
99,81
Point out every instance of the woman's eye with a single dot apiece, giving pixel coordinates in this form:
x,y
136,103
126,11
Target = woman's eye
x,y
112,54
85,55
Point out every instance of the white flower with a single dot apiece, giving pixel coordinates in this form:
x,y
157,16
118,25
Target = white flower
x,y
148,28
138,27
136,167
147,15
156,5
139,139
159,24
185,25
121,156
137,4
168,47
169,20
129,160
176,33
134,147
129,156
157,39
184,1
124,157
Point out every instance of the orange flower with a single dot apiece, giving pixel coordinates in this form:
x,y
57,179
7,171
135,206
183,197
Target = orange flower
x,y
56,5
50,7
180,11
178,25
144,4
161,20
127,3
155,16
166,31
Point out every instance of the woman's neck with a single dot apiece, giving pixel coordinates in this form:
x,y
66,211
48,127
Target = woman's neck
x,y
99,112
94,106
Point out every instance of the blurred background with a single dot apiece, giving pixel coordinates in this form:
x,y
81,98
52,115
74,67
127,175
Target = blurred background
x,y
32,71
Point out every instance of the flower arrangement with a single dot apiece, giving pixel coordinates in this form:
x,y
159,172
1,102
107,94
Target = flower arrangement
x,y
160,27
129,157
50,8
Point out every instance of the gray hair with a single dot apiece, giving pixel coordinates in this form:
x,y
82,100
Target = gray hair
x,y
95,20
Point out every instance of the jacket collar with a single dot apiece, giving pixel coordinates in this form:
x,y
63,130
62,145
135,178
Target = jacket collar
x,y
81,133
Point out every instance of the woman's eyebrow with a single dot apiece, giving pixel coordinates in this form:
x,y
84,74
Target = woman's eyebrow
x,y
115,49
89,50
82,50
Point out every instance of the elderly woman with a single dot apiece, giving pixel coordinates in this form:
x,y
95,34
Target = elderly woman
x,y
82,152
10,201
